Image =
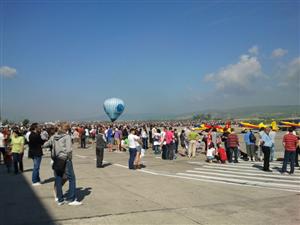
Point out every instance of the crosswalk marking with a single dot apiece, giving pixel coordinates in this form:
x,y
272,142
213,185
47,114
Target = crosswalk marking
x,y
245,173
274,175
241,176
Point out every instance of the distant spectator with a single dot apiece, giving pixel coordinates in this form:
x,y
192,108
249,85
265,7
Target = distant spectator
x,y
290,142
233,144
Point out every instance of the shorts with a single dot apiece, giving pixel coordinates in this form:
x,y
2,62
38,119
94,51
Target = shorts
x,y
210,157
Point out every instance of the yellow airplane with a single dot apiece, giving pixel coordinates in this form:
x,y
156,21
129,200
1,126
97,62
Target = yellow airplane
x,y
290,124
273,125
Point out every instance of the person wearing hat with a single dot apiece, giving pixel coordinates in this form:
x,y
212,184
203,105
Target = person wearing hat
x,y
266,144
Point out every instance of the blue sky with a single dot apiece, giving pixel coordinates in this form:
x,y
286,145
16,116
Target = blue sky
x,y
62,59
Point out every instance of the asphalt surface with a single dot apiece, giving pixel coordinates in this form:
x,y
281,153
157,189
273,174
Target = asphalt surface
x,y
181,191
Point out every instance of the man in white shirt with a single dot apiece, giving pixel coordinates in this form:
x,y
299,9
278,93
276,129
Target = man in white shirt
x,y
132,139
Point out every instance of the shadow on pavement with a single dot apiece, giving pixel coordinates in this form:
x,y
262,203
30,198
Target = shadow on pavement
x,y
18,202
82,193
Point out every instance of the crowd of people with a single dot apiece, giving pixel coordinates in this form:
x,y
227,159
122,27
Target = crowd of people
x,y
164,141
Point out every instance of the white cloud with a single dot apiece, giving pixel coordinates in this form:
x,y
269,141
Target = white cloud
x,y
288,75
279,52
254,50
7,72
237,77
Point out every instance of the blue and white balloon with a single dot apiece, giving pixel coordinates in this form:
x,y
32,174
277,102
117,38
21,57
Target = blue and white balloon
x,y
113,107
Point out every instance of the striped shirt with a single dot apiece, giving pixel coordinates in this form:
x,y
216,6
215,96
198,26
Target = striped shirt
x,y
290,142
232,140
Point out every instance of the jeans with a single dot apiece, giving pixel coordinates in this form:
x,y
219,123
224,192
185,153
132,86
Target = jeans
x,y
233,151
156,149
99,156
82,143
272,153
18,162
72,183
266,150
36,169
145,143
132,154
171,151
288,156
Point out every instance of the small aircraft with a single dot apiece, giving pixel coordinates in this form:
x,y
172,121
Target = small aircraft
x,y
273,125
290,124
219,128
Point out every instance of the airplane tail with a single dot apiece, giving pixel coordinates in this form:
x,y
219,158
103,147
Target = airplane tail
x,y
274,126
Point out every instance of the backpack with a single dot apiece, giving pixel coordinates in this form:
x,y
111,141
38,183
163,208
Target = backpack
x,y
252,138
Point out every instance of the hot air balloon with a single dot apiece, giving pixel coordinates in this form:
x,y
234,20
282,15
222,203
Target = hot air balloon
x,y
113,107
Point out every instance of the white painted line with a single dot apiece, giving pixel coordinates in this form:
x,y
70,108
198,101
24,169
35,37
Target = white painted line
x,y
241,176
250,169
240,181
213,181
241,164
81,156
119,165
236,184
273,175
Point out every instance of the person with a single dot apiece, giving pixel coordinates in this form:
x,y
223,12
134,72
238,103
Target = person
x,y
193,138
8,159
247,141
170,144
144,136
233,144
176,140
182,138
2,146
35,153
100,145
164,149
252,146
290,142
224,140
272,135
61,154
110,138
297,150
210,153
157,142
132,138
118,138
221,154
266,144
83,138
17,150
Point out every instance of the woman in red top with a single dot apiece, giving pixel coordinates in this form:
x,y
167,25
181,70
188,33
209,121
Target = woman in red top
x,y
221,154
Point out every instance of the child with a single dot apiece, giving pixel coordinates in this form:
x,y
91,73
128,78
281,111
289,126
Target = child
x,y
210,152
221,154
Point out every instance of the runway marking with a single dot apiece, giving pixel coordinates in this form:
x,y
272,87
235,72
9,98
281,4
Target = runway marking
x,y
82,156
273,175
239,180
241,176
236,182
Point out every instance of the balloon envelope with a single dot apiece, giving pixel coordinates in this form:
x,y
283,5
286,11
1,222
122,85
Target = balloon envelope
x,y
113,107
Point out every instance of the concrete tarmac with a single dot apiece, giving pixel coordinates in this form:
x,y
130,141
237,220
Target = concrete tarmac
x,y
153,195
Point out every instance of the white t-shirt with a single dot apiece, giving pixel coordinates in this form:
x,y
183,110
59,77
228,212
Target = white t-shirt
x,y
210,152
157,142
132,140
1,140
27,135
